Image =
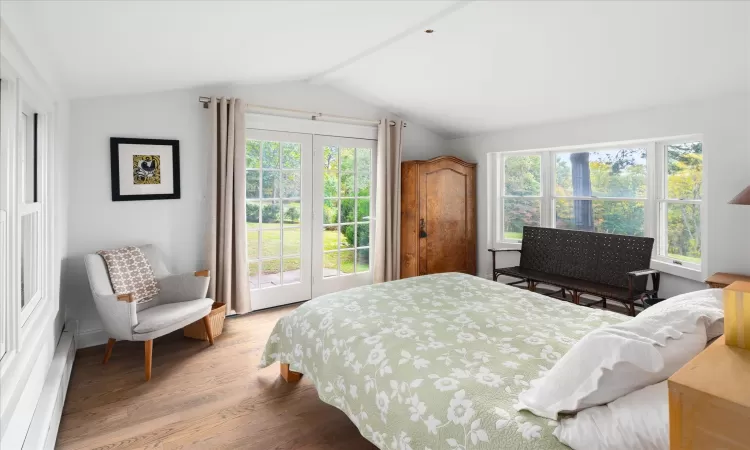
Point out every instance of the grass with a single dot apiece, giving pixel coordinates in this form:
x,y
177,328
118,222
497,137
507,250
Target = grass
x,y
271,247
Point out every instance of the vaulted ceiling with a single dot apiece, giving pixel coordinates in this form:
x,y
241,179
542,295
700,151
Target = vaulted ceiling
x,y
488,65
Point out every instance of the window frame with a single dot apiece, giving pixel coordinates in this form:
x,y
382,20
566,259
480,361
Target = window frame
x,y
655,225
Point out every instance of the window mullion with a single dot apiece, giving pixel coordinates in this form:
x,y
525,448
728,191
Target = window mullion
x,y
548,180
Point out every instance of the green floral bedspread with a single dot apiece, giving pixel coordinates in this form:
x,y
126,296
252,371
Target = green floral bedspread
x,y
433,362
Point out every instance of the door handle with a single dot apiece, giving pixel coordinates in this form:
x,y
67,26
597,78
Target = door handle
x,y
422,232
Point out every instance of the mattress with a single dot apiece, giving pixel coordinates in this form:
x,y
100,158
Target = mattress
x,y
433,362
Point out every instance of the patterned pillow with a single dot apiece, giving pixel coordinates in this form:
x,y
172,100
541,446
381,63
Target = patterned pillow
x,y
130,272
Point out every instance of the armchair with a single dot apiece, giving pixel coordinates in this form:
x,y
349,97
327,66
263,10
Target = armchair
x,y
180,302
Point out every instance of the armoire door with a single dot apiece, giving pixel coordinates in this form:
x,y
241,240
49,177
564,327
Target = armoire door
x,y
447,206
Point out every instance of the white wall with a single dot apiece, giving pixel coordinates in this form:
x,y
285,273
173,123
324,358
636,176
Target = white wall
x,y
723,122
177,226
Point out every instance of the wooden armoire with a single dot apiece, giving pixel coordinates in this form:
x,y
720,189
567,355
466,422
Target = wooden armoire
x,y
438,217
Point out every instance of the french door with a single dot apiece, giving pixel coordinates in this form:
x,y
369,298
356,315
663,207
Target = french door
x,y
308,214
278,213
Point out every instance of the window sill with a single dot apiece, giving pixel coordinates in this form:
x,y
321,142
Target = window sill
x,y
678,271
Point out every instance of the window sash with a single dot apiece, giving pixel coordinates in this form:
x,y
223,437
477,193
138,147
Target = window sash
x,y
655,221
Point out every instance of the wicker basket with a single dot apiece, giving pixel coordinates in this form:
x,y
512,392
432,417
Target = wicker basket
x,y
196,330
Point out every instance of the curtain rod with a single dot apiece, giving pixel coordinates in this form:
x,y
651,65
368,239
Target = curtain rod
x,y
313,115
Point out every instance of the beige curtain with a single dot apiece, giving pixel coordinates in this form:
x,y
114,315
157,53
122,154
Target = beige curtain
x,y
227,235
387,256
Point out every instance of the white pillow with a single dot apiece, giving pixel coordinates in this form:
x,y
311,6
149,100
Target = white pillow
x,y
637,421
616,360
710,301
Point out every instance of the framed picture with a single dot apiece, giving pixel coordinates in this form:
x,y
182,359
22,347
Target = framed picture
x,y
145,169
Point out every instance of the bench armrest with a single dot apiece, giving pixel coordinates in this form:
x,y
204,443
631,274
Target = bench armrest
x,y
655,278
640,273
494,252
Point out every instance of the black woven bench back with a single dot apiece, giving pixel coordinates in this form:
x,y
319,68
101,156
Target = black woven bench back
x,y
598,257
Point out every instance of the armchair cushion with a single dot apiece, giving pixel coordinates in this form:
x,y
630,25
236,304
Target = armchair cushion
x,y
179,288
162,316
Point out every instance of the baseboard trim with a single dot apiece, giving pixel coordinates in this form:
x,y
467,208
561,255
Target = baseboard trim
x,y
42,432
90,338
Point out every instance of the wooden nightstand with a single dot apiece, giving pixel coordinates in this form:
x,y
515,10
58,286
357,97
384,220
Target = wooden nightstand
x,y
721,280
709,400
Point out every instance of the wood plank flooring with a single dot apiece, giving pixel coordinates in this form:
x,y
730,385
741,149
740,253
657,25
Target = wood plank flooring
x,y
199,397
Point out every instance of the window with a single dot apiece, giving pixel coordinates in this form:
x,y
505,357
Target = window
x,y
679,202
522,194
650,188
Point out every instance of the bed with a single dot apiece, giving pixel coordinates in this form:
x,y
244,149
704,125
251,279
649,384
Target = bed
x,y
432,362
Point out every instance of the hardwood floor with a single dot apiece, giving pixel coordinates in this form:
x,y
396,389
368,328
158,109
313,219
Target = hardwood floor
x,y
199,397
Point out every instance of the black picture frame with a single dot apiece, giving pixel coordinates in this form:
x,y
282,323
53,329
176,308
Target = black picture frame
x,y
114,151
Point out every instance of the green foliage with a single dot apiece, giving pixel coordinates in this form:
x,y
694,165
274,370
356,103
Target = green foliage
x,y
252,213
291,214
616,173
348,232
271,213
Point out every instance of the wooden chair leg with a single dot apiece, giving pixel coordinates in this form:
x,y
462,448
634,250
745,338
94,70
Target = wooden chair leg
x,y
207,326
288,375
108,351
149,347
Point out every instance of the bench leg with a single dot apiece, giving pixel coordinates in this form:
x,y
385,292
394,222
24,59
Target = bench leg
x,y
604,302
576,296
532,286
289,376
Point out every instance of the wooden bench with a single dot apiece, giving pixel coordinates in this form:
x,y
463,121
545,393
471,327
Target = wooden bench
x,y
608,266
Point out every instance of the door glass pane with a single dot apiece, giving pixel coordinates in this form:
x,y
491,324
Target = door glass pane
x,y
364,160
270,243
252,154
292,155
685,171
253,250
603,173
347,236
252,273
330,264
292,271
603,216
347,261
291,183
270,273
347,160
363,209
270,214
683,232
363,260
330,183
347,210
363,235
252,185
330,211
292,212
252,214
271,156
330,237
291,245
330,158
347,184
271,186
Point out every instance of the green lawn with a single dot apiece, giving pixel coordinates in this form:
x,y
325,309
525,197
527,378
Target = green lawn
x,y
513,235
271,247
